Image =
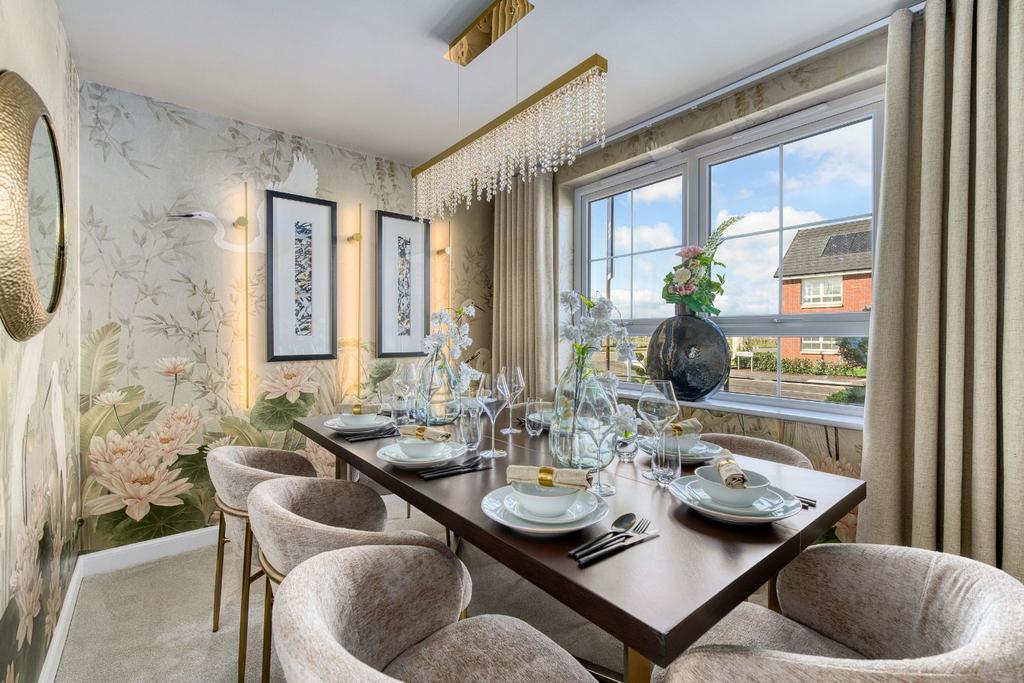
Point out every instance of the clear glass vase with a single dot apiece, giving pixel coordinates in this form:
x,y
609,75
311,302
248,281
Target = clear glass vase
x,y
438,401
582,435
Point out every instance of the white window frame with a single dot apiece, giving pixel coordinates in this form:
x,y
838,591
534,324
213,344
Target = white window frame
x,y
819,300
819,343
694,165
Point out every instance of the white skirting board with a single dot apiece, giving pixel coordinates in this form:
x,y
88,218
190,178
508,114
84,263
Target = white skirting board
x,y
112,560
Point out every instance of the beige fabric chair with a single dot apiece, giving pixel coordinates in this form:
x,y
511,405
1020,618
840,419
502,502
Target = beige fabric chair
x,y
391,613
297,518
870,613
234,471
759,448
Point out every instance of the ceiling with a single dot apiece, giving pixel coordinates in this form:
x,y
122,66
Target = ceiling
x,y
369,74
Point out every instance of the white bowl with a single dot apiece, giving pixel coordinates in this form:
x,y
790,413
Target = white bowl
x,y
350,420
683,443
711,482
419,448
545,501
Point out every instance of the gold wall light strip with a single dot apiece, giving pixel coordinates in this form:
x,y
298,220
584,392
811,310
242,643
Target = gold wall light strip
x,y
495,21
245,293
357,239
594,61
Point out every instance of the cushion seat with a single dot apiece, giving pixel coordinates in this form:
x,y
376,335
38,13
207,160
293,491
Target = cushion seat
x,y
751,625
465,652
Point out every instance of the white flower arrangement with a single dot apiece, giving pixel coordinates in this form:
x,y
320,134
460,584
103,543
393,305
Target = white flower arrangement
x,y
589,323
449,329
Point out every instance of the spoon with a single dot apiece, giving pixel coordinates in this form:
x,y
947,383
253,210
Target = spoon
x,y
620,526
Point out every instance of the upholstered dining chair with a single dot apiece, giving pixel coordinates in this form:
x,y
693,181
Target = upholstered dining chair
x,y
391,613
294,519
234,471
759,448
869,613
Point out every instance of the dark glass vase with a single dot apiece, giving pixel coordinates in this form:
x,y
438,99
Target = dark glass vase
x,y
691,352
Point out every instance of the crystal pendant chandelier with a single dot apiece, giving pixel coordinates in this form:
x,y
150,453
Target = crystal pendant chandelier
x,y
543,132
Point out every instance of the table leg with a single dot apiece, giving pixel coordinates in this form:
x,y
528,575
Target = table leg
x,y
636,668
773,594
337,468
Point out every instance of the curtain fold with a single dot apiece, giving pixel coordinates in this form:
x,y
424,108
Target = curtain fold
x,y
524,280
944,414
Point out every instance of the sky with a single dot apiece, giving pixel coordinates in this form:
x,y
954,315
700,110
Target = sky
x,y
820,178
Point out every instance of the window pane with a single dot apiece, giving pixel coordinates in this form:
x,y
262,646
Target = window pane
x,y
622,224
605,360
658,215
599,228
649,272
598,278
825,368
621,286
754,366
750,284
747,186
827,269
829,175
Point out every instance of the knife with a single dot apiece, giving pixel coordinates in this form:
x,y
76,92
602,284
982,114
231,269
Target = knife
x,y
439,475
597,555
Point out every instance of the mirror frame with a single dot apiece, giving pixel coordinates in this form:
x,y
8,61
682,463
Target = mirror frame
x,y
22,310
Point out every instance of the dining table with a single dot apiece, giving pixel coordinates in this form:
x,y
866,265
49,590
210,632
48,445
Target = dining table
x,y
657,597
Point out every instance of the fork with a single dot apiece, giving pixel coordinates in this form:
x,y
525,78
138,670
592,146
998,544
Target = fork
x,y
472,462
638,530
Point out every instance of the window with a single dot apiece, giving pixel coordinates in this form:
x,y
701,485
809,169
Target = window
x,y
819,345
821,292
797,264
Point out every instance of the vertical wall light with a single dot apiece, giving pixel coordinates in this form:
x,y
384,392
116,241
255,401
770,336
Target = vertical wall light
x,y
357,239
242,223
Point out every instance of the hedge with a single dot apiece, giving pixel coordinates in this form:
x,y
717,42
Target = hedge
x,y
765,361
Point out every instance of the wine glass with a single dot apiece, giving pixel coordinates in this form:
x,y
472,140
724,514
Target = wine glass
x,y
470,427
492,403
658,407
594,421
538,412
516,384
405,381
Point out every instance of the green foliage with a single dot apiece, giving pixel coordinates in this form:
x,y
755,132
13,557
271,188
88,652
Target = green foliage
x,y
193,467
159,521
243,433
854,351
380,369
101,420
276,414
765,361
849,395
99,361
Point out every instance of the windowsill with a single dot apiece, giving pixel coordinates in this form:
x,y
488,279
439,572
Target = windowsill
x,y
805,415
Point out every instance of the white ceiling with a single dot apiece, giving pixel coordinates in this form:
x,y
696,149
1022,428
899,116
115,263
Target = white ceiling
x,y
369,74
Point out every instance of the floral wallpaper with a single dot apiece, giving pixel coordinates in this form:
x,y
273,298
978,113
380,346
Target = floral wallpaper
x,y
173,333
39,466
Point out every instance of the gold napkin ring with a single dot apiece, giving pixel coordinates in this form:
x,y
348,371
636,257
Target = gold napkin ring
x,y
546,476
420,431
677,430
357,409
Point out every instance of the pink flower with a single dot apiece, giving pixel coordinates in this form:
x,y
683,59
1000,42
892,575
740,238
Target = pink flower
x,y
689,288
690,252
290,380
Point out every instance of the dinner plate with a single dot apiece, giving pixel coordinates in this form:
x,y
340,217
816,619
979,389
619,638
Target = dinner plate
x,y
537,417
701,452
335,424
493,505
393,455
766,504
584,503
689,492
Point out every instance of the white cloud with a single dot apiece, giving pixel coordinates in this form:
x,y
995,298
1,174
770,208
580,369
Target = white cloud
x,y
657,236
670,189
754,221
841,155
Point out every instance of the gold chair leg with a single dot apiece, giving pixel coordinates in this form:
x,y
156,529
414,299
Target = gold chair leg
x,y
637,668
218,573
243,614
464,614
268,617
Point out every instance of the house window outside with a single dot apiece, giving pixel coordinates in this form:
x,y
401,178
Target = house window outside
x,y
828,346
821,292
797,265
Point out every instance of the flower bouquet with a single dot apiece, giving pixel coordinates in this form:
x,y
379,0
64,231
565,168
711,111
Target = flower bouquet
x,y
442,382
692,282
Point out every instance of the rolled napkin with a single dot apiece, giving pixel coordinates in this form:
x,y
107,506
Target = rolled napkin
x,y
424,433
360,408
732,474
548,476
691,426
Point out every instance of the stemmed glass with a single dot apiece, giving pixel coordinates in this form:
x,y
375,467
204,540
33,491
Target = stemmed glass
x,y
536,408
593,419
516,384
405,380
492,403
658,407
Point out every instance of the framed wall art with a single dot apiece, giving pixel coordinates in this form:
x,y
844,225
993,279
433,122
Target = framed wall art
x,y
301,277
403,284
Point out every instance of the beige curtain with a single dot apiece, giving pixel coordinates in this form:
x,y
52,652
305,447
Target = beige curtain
x,y
944,419
524,280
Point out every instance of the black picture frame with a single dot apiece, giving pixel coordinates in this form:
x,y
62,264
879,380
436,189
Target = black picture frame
x,y
381,291
277,354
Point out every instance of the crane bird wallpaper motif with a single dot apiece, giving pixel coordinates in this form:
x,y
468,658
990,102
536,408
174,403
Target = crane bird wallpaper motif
x,y
303,278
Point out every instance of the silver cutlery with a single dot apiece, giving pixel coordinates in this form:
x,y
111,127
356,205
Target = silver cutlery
x,y
621,525
456,466
806,502
461,470
640,529
599,555
382,434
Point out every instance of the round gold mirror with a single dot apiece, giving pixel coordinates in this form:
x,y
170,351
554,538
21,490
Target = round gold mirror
x,y
32,246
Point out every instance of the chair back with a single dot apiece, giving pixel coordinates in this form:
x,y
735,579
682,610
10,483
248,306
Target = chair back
x,y
759,448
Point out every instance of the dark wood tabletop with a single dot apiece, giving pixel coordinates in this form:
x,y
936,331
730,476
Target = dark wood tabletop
x,y
657,597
